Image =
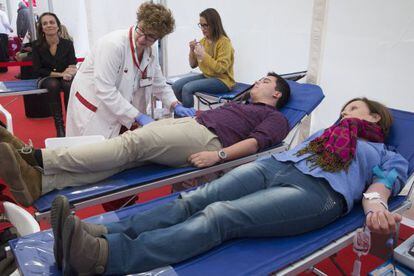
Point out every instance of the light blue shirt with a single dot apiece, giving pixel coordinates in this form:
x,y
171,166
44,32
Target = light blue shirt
x,y
391,169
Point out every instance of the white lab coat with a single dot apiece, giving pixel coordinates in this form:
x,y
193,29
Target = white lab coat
x,y
105,93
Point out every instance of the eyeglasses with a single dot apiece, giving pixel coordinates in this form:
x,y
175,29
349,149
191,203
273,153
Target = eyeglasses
x,y
202,26
149,37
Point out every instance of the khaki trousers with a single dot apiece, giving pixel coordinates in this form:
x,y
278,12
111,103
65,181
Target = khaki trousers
x,y
168,142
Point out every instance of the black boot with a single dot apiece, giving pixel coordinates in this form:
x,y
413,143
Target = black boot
x,y
56,110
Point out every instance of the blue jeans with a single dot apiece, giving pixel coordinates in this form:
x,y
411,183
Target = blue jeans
x,y
266,198
185,88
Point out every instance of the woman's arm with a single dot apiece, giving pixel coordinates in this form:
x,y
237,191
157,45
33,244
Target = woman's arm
x,y
389,178
219,64
192,60
378,218
191,56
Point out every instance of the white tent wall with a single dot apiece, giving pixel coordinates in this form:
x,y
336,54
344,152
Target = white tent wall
x,y
368,51
266,35
104,16
73,15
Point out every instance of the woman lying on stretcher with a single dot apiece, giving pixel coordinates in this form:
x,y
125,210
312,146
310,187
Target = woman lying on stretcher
x,y
289,193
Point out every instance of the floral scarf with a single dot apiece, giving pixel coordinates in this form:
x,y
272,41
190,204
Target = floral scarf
x,y
335,148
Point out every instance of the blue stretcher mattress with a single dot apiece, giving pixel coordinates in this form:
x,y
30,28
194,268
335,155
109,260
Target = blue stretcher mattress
x,y
304,99
17,86
34,253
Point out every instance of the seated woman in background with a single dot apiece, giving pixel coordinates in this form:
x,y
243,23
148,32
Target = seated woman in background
x,y
214,55
287,194
54,61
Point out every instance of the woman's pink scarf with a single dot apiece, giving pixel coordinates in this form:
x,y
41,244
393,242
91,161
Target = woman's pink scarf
x,y
335,148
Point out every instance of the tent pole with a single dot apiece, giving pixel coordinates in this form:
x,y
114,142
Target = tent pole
x,y
50,4
317,41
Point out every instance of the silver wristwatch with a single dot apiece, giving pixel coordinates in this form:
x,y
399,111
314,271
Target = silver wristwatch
x,y
222,155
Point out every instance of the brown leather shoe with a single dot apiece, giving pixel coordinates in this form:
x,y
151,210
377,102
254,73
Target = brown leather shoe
x,y
59,212
25,151
83,254
25,181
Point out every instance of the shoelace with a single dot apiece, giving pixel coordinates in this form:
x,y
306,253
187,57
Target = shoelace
x,y
27,148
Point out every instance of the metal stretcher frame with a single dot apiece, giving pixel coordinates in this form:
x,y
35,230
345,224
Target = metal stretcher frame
x,y
322,243
186,174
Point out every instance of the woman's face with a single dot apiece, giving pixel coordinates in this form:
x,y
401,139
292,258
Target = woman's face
x,y
360,110
205,28
144,39
49,25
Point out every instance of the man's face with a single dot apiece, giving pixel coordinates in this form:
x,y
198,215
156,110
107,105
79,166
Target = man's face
x,y
265,87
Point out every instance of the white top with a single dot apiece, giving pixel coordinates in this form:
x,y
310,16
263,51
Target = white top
x,y
106,93
5,27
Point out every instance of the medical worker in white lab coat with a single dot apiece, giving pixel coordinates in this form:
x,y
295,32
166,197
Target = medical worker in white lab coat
x,y
115,82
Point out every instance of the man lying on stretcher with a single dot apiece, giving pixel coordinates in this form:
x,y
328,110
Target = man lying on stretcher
x,y
229,132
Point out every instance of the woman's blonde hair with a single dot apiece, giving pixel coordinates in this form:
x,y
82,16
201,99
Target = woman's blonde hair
x,y
155,19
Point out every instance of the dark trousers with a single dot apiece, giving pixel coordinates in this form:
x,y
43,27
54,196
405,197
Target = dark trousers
x,y
4,51
54,86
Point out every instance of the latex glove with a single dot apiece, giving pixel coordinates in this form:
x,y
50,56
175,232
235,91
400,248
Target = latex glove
x,y
204,159
143,119
199,51
182,111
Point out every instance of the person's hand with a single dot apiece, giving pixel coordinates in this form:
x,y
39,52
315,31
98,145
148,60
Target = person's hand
x,y
143,119
382,221
182,111
199,51
66,76
71,70
204,159
192,44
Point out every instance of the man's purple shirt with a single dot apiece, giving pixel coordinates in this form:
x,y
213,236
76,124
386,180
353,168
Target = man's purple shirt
x,y
234,122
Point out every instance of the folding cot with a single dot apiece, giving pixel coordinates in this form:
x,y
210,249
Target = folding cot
x,y
304,98
17,88
285,256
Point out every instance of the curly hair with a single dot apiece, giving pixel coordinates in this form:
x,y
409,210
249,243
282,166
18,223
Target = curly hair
x,y
155,19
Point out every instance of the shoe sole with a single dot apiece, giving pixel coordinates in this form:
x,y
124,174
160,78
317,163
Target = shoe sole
x,y
13,176
60,206
67,236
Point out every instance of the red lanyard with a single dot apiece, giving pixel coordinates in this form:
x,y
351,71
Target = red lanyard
x,y
134,56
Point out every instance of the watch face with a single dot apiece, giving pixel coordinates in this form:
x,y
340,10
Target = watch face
x,y
222,154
